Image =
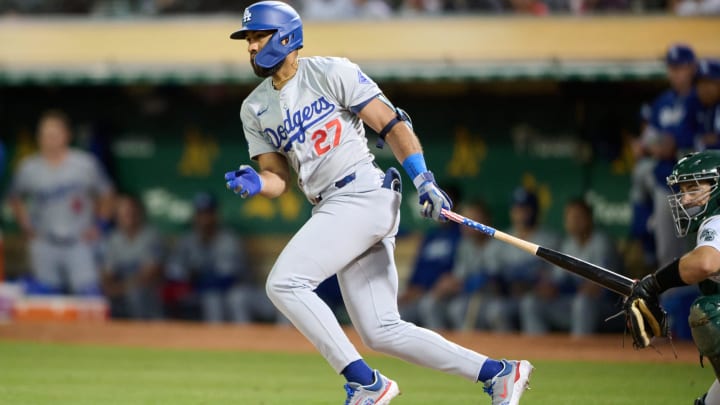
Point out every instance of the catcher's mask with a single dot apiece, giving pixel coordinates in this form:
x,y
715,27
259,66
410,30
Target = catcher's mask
x,y
286,25
693,170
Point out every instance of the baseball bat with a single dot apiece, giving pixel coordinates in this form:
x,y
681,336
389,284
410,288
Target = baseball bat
x,y
600,275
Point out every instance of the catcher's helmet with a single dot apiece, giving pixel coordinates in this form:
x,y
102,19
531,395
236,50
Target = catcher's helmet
x,y
272,16
696,167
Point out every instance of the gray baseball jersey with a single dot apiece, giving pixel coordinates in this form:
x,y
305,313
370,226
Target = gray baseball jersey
x,y
313,125
709,235
472,258
125,256
599,250
514,266
221,257
61,198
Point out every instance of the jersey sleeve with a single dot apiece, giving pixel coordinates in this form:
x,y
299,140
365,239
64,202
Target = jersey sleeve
x,y
709,233
257,143
19,185
655,108
99,181
350,85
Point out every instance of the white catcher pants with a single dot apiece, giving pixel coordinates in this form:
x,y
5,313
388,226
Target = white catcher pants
x,y
352,233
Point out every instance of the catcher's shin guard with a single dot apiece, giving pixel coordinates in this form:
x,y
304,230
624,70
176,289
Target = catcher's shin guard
x,y
705,326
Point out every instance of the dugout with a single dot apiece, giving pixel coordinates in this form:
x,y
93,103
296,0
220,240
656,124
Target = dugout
x,y
550,103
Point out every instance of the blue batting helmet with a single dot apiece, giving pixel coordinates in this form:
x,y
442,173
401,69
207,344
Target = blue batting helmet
x,y
272,16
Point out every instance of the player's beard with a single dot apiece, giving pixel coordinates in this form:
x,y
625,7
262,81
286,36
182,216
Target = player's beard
x,y
264,72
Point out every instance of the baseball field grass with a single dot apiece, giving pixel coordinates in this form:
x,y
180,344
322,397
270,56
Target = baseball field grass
x,y
49,373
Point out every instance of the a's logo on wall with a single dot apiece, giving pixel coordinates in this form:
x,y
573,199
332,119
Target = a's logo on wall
x,y
708,235
199,154
247,16
469,152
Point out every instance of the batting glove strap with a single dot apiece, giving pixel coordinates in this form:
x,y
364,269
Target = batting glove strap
x,y
423,178
245,181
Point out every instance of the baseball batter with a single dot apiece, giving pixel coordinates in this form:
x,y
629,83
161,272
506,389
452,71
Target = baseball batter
x,y
308,114
695,207
54,195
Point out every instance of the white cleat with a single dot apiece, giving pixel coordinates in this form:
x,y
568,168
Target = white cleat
x,y
510,384
380,392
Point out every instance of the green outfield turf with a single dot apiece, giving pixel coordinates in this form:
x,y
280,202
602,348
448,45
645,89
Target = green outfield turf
x,y
61,374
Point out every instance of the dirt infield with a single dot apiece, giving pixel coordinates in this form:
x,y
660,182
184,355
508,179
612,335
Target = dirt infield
x,y
179,335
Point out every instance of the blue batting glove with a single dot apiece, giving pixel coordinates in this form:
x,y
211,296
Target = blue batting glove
x,y
432,198
244,181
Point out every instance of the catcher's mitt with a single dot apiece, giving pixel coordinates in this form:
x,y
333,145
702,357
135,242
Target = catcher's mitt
x,y
644,316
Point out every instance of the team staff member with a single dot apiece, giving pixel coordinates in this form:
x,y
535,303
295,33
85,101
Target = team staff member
x,y
58,195
308,114
670,133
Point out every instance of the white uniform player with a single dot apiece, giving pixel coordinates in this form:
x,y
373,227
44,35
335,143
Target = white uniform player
x,y
308,114
54,195
695,206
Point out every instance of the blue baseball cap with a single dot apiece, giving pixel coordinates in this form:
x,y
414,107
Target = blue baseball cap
x,y
679,54
522,196
709,69
204,201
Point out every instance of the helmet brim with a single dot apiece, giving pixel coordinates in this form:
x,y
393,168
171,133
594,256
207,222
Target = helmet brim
x,y
242,33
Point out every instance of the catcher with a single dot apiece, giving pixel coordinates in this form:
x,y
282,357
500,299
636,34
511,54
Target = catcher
x,y
695,205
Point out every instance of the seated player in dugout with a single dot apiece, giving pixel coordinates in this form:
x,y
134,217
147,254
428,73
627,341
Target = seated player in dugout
x,y
307,114
520,275
435,259
567,302
469,296
133,263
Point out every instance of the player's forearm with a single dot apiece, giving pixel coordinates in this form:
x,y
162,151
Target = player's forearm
x,y
273,184
699,264
408,151
274,174
403,142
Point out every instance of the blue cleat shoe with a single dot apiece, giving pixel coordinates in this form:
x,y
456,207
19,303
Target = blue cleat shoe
x,y
379,392
508,385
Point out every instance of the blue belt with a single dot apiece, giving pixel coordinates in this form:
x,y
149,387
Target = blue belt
x,y
338,184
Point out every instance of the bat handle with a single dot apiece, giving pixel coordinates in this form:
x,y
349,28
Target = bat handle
x,y
455,217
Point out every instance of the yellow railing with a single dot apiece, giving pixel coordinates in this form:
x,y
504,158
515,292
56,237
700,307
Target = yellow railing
x,y
204,41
